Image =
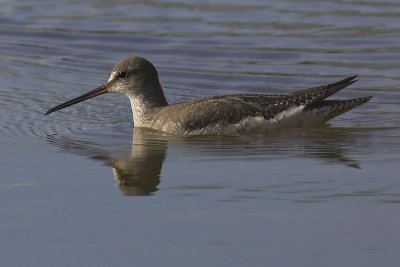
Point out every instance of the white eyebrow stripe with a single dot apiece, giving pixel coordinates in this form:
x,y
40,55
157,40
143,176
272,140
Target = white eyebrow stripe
x,y
112,76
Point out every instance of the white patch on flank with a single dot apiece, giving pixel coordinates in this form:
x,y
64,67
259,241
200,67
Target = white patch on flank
x,y
298,117
248,124
290,118
315,117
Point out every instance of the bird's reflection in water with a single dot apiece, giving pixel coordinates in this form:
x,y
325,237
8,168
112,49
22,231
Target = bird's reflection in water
x,y
136,164
139,173
331,145
325,144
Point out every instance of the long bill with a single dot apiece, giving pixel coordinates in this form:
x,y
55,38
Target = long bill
x,y
96,92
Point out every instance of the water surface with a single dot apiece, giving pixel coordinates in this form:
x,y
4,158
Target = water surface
x,y
81,188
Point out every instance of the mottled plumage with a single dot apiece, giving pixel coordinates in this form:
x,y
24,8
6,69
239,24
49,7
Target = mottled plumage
x,y
137,78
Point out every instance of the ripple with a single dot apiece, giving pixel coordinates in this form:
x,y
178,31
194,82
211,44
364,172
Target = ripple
x,y
200,49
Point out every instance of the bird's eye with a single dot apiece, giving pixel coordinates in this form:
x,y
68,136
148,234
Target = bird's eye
x,y
121,74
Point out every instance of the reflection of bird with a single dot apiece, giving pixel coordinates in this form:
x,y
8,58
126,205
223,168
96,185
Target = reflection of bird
x,y
137,164
136,168
139,174
137,78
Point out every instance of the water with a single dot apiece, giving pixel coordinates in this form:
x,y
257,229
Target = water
x,y
80,188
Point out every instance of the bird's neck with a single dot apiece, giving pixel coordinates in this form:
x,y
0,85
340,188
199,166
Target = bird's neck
x,y
144,103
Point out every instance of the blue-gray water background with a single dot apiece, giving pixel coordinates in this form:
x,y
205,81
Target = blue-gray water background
x,y
77,188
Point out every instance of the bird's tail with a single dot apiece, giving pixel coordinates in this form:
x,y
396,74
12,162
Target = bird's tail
x,y
335,108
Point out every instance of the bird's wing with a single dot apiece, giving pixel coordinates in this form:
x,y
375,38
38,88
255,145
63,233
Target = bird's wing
x,y
326,90
234,108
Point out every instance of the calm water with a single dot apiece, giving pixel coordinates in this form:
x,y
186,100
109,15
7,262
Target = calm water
x,y
80,188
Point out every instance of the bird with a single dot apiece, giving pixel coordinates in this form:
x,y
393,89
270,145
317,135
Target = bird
x,y
137,78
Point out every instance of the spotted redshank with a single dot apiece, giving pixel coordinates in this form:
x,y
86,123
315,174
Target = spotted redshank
x,y
137,78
